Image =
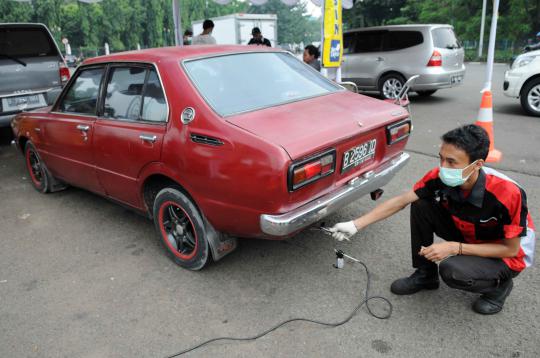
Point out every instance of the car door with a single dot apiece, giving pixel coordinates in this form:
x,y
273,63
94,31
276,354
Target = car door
x,y
130,129
365,60
68,133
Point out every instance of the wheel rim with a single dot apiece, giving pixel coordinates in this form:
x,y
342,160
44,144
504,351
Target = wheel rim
x,y
533,98
392,87
177,230
34,167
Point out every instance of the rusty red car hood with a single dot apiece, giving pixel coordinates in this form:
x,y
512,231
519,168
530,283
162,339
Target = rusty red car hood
x,y
305,126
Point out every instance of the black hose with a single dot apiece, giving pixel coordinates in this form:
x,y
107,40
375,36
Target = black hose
x,y
365,301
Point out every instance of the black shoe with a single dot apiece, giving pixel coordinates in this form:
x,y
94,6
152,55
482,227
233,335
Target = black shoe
x,y
419,280
493,302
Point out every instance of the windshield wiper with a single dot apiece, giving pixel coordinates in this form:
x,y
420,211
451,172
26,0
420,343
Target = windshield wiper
x,y
452,47
13,59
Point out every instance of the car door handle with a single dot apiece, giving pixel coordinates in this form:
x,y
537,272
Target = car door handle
x,y
37,129
148,138
380,59
83,127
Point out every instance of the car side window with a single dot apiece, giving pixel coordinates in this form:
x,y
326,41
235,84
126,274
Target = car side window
x,y
154,104
348,42
368,41
124,93
398,40
82,95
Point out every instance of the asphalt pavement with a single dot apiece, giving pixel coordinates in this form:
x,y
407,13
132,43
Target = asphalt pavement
x,y
83,277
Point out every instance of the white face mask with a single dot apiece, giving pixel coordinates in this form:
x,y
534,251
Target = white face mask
x,y
454,177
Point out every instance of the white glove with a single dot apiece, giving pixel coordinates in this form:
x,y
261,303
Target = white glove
x,y
343,231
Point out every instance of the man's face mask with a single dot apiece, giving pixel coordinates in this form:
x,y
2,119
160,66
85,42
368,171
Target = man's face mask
x,y
453,177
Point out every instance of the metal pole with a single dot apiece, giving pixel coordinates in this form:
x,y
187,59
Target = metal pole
x,y
491,47
178,39
481,43
324,70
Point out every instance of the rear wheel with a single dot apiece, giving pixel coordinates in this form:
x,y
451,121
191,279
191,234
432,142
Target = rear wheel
x,y
390,85
425,93
530,97
39,175
181,229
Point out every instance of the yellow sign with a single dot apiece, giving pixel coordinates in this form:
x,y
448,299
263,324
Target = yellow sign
x,y
332,46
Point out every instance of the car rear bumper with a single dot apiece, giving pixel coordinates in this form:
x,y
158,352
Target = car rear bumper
x,y
437,78
5,120
295,220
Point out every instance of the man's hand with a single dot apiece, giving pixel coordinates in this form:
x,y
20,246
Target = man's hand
x,y
439,251
343,231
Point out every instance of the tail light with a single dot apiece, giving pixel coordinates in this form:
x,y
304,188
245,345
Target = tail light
x,y
311,169
398,131
64,73
435,59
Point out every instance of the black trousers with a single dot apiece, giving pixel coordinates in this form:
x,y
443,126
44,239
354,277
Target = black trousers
x,y
468,273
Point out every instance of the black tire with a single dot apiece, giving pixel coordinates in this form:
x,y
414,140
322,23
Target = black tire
x,y
530,97
40,177
390,85
181,229
425,93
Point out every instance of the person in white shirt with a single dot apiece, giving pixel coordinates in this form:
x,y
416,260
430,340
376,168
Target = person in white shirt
x,y
205,38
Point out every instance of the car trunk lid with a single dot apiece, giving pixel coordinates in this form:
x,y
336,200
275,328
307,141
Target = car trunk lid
x,y
341,121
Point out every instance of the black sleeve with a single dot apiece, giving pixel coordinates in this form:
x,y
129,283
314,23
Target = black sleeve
x,y
267,43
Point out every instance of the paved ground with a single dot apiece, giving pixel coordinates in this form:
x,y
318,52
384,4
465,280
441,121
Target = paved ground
x,y
83,277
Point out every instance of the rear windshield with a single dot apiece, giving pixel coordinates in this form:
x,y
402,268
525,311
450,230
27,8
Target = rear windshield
x,y
26,42
444,37
245,82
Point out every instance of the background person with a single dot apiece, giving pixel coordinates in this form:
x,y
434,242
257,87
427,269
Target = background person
x,y
205,38
258,38
481,213
536,46
311,57
188,36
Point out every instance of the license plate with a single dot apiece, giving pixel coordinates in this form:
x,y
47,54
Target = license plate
x,y
358,155
23,102
456,79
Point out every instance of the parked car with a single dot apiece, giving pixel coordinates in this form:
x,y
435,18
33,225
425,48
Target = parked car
x,y
32,69
192,139
382,58
523,81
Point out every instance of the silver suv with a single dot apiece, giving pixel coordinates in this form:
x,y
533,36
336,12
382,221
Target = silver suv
x,y
32,69
383,58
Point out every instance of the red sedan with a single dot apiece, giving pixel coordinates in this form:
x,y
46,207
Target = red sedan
x,y
213,143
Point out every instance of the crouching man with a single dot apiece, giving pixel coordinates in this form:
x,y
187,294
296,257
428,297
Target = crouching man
x,y
481,213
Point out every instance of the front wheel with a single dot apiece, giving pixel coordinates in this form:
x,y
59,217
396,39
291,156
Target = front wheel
x,y
390,85
181,229
39,175
530,97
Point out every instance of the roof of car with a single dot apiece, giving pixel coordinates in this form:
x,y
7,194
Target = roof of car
x,y
177,53
395,27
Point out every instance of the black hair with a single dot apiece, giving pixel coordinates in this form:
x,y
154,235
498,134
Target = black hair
x,y
255,31
208,24
188,32
472,139
313,51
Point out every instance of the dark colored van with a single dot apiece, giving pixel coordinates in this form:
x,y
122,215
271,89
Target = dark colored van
x,y
32,69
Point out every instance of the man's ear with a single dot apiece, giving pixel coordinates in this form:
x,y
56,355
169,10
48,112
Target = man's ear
x,y
479,163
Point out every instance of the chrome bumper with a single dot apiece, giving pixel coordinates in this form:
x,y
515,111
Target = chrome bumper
x,y
285,224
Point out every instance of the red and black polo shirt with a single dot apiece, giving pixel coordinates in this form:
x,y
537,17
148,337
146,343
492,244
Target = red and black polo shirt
x,y
495,209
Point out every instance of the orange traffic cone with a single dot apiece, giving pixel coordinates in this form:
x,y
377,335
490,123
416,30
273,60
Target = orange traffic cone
x,y
485,120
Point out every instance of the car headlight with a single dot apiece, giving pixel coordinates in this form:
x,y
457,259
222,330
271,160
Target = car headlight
x,y
521,61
